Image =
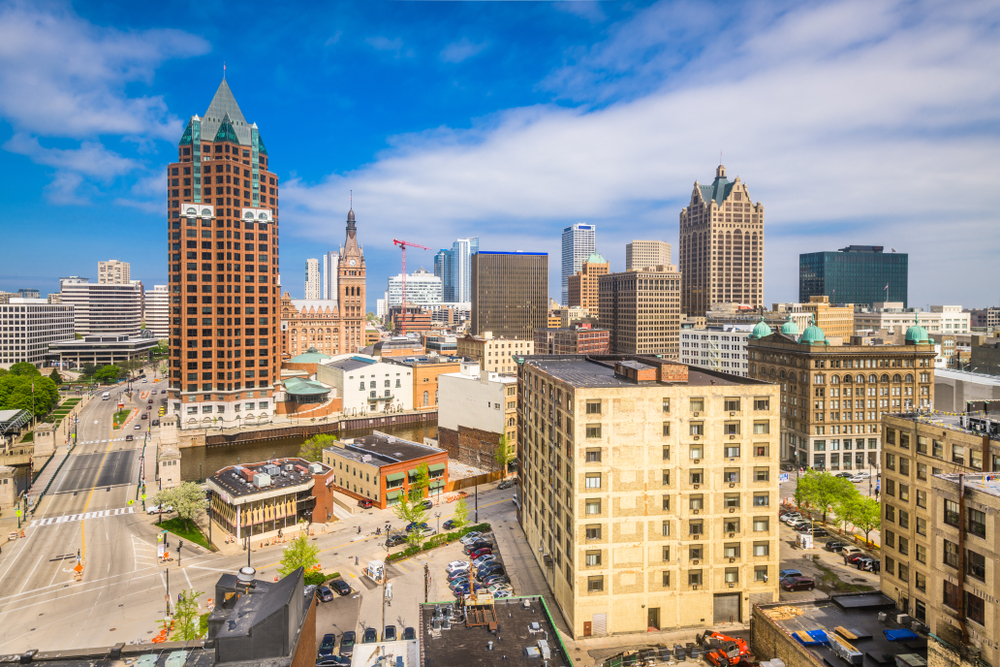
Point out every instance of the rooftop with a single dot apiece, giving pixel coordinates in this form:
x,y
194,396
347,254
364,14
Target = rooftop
x,y
352,363
380,450
599,371
423,359
238,480
973,423
515,636
299,387
984,482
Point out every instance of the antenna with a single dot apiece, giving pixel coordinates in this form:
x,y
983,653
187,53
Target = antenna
x,y
223,70
352,199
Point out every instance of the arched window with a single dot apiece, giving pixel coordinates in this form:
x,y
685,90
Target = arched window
x,y
835,379
909,377
772,372
897,378
791,376
782,375
872,379
861,379
427,398
885,377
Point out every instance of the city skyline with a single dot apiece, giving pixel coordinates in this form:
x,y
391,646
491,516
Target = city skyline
x,y
95,159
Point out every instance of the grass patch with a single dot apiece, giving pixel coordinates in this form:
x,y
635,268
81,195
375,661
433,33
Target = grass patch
x,y
29,437
120,417
832,581
178,528
438,540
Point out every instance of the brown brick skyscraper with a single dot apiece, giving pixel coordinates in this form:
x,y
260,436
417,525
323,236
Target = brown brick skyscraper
x,y
222,252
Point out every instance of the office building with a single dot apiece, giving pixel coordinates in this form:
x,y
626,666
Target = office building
x,y
102,349
476,409
27,293
28,327
730,314
835,321
114,272
721,349
367,384
858,274
939,503
331,264
510,293
454,268
642,310
644,254
495,355
423,288
427,369
156,311
580,339
985,318
583,285
578,243
721,246
896,318
313,281
103,308
661,482
835,395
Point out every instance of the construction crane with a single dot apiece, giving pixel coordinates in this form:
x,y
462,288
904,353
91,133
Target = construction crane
x,y
403,245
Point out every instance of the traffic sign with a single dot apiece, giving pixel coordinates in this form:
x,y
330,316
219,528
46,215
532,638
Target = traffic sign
x,y
782,477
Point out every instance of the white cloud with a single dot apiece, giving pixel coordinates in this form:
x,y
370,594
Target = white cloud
x,y
91,159
395,46
461,50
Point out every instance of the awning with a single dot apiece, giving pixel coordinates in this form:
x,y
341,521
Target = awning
x,y
394,477
391,495
436,467
436,485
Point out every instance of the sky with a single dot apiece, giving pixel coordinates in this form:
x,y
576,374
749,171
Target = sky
x,y
852,122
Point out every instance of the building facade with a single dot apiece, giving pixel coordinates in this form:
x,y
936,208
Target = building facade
x,y
644,254
222,233
103,308
834,396
29,326
835,321
858,274
475,410
642,310
720,349
510,293
331,262
156,311
115,272
426,371
454,268
648,491
895,318
583,285
579,242
423,288
495,355
572,340
102,349
721,246
367,384
313,281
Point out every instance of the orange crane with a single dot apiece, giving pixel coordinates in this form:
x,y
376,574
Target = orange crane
x,y
403,246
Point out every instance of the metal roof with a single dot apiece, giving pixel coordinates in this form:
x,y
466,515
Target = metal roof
x,y
224,103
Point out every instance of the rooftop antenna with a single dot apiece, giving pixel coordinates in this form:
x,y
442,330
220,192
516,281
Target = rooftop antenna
x,y
352,199
223,70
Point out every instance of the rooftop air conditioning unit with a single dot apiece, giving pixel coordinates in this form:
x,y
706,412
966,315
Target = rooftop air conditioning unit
x,y
903,619
261,480
315,468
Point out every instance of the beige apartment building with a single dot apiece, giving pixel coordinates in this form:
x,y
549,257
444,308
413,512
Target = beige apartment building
x,y
583,286
721,246
835,321
939,532
644,254
649,491
495,355
833,397
114,272
642,310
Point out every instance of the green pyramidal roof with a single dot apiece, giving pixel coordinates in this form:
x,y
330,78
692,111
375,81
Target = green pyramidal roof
x,y
186,138
596,259
224,104
226,131
717,191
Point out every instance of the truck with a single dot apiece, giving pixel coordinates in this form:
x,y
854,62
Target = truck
x,y
722,650
106,396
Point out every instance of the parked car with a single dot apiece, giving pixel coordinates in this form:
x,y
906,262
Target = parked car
x,y
791,516
460,574
851,551
820,532
409,634
333,660
449,524
798,584
395,540
506,484
326,646
476,546
145,415
470,537
340,586
496,587
410,527
480,552
503,593
347,642
370,636
856,479
865,563
365,504
389,633
854,558
325,594
159,509
788,573
427,504
834,546
862,473
456,565
490,569
496,579
787,467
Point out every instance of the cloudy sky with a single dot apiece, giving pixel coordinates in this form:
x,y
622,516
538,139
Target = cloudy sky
x,y
852,122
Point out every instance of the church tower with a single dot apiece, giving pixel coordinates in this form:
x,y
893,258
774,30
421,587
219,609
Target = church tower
x,y
351,288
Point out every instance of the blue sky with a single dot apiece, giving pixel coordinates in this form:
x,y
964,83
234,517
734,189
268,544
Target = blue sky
x,y
851,121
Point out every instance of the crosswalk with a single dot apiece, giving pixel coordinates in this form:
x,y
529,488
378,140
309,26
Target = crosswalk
x,y
100,514
98,442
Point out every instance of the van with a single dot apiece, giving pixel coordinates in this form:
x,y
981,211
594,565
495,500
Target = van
x,y
106,396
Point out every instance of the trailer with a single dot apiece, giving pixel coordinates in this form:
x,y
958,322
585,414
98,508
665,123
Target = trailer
x,y
845,651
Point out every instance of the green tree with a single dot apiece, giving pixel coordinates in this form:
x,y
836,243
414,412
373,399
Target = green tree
x,y
55,377
24,368
88,369
299,553
186,617
421,481
36,394
3,371
867,515
411,512
107,374
461,513
312,449
188,500
822,491
503,454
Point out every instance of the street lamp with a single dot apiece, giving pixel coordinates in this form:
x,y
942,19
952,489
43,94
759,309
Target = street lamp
x,y
437,515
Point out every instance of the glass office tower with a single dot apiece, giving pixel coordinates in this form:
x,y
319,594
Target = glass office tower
x,y
857,274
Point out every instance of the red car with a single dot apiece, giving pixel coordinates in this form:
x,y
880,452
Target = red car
x,y
853,558
365,504
480,552
798,584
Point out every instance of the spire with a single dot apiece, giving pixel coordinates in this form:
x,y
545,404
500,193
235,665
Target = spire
x,y
720,171
225,103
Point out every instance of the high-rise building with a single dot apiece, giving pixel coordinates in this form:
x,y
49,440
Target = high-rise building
x,y
454,268
722,246
113,271
643,254
667,479
29,326
510,293
28,293
156,311
583,284
314,283
858,274
222,224
642,310
423,288
330,263
103,308
442,269
578,243
894,318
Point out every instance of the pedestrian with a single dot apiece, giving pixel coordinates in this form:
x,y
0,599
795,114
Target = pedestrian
x,y
355,560
359,530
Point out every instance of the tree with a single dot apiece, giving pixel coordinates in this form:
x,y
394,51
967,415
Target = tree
x,y
55,377
421,481
23,368
503,454
188,500
107,374
845,509
312,449
299,553
88,369
411,512
461,513
36,394
822,491
867,515
187,620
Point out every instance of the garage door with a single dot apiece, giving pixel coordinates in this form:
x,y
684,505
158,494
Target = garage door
x,y
600,624
727,608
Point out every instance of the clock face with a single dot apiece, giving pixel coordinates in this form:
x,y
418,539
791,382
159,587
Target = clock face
x,y
352,262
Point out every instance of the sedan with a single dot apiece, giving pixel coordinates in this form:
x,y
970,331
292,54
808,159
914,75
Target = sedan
x,y
506,484
459,574
340,586
854,558
370,636
138,427
347,642
395,540
490,571
389,633
469,538
159,509
496,587
476,546
798,584
844,474
484,551
326,646
456,565
325,594
449,524
427,504
411,526
821,532
834,546
409,634
503,593
496,579
461,582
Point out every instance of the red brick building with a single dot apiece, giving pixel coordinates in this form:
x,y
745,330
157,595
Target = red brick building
x,y
572,340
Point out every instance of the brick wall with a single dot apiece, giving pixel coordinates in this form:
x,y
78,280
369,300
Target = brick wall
x,y
305,648
471,446
768,640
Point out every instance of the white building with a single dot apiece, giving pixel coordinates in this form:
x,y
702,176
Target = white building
x,y
28,326
891,316
331,261
578,243
103,307
366,384
314,284
156,311
471,404
645,254
722,349
423,288
381,310
114,272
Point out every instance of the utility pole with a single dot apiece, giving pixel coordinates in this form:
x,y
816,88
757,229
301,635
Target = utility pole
x,y
168,590
427,582
477,499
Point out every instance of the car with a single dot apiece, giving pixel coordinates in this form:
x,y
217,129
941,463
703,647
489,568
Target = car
x,y
820,532
150,401
506,484
459,583
463,589
470,537
395,540
389,633
427,531
834,546
159,509
326,646
453,576
370,636
340,586
485,560
854,479
787,467
862,473
503,593
792,516
347,642
457,565
130,437
409,634
410,527
427,504
155,422
480,552
489,570
145,415
138,427
804,527
476,546
325,594
364,503
851,551
496,587
449,524
788,573
854,558
865,563
798,584
334,661
496,579
844,474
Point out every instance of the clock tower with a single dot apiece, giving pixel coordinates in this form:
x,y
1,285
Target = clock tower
x,y
351,286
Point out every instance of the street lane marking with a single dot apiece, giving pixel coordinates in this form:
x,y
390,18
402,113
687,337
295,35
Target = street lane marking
x,y
51,521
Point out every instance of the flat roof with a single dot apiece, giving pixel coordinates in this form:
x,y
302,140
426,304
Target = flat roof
x,y
229,477
599,371
968,376
509,252
351,363
975,423
986,482
384,450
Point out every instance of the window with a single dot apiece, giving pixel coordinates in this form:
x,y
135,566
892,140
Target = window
x,y
731,428
890,513
731,550
921,526
732,575
904,466
958,454
890,565
890,487
696,502
732,405
937,449
666,453
593,456
975,608
977,523
696,528
697,428
761,404
666,553
666,428
666,478
761,450
593,407
922,471
731,526
696,452
593,558
761,474
889,538
952,595
760,524
697,476
593,480
904,519
761,500
593,430
903,572
975,565
666,408
951,513
697,405
890,461
665,529
731,476
950,554
904,546
904,492
666,502
593,532
595,584
731,500
731,452
920,581
761,548
761,428
760,573
694,577
666,579
593,506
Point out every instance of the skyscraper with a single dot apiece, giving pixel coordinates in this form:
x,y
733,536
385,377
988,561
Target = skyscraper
x,y
583,285
578,243
722,246
222,227
510,293
644,254
314,283
642,310
858,274
454,268
330,263
442,269
114,272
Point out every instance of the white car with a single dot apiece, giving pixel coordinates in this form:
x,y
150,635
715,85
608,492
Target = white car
x,y
470,537
863,473
500,587
857,479
503,593
788,518
457,565
158,509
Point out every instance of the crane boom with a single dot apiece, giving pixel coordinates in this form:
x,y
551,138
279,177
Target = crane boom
x,y
403,245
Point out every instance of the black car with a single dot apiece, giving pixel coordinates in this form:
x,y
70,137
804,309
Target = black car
x,y
395,540
489,571
820,532
389,633
449,524
340,586
787,467
370,636
334,661
325,594
326,646
834,546
155,422
347,642
427,504
409,634
506,484
477,545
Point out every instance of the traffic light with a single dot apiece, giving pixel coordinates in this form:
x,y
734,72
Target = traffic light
x,y
180,543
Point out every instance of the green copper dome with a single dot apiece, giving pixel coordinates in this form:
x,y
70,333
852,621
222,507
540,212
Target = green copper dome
x,y
596,259
813,335
761,330
790,328
917,334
